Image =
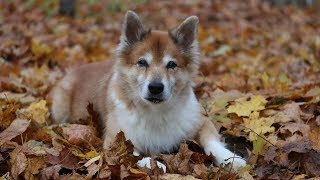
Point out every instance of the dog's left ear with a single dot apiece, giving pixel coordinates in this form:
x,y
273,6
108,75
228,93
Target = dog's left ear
x,y
186,33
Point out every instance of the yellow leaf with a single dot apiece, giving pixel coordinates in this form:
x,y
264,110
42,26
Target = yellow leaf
x,y
37,112
246,105
89,155
40,49
258,145
258,125
265,80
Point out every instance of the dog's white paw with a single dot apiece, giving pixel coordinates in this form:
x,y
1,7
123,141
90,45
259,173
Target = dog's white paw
x,y
223,155
146,162
236,161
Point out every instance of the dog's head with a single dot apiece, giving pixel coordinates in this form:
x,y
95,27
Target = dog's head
x,y
156,66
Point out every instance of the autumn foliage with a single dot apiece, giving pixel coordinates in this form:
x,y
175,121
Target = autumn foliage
x,y
259,83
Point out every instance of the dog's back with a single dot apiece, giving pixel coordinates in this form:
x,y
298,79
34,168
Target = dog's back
x,y
79,88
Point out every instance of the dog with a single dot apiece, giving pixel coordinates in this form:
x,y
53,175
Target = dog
x,y
146,91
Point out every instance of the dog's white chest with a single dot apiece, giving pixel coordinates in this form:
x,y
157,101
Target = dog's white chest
x,y
159,130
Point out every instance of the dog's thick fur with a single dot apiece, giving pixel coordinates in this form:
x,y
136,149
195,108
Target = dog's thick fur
x,y
118,90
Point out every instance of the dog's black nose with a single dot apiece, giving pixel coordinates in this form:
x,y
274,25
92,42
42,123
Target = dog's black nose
x,y
156,87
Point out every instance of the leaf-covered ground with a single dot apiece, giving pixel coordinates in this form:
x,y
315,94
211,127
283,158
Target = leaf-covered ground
x,y
259,83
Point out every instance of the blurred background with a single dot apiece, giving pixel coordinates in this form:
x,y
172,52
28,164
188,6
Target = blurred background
x,y
253,45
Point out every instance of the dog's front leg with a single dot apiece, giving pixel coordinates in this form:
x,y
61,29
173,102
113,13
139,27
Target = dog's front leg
x,y
209,139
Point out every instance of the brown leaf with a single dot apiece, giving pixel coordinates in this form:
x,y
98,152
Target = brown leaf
x,y
105,172
291,112
312,163
65,159
314,135
17,127
199,158
270,154
136,174
92,170
179,163
120,152
34,166
299,146
7,113
176,177
81,135
51,172
303,129
200,171
18,162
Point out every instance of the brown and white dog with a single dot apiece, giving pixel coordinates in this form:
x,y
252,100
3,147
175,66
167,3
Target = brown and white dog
x,y
145,91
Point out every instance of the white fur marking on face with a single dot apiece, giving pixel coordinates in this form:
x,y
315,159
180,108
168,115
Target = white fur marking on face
x,y
223,155
148,57
167,58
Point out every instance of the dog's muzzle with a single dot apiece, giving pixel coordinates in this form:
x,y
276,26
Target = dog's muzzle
x,y
155,94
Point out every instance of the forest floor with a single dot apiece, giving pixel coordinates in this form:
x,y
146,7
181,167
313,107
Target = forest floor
x,y
259,83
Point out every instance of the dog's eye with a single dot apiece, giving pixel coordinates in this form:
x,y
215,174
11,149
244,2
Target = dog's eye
x,y
171,65
143,63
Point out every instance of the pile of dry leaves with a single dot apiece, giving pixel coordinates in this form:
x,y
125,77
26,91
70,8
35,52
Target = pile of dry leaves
x,y
259,83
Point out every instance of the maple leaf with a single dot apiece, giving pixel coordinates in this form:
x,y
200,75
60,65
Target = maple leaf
x,y
291,112
37,112
246,105
259,125
78,134
120,152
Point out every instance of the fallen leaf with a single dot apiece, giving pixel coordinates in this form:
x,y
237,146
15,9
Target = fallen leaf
x,y
18,162
34,166
92,170
176,177
200,171
51,172
120,152
17,127
65,159
37,112
81,135
298,146
35,147
246,105
315,93
179,163
7,113
258,145
39,48
88,155
296,128
256,125
312,163
291,112
314,135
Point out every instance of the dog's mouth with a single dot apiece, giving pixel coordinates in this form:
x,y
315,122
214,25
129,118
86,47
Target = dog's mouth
x,y
155,100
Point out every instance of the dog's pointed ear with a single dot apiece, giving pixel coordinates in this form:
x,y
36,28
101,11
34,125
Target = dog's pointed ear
x,y
186,33
132,29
